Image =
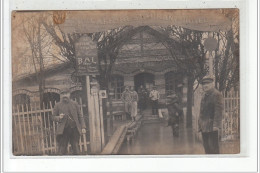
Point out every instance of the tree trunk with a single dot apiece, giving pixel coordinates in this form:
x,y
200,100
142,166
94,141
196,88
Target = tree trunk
x,y
189,102
41,90
41,70
224,70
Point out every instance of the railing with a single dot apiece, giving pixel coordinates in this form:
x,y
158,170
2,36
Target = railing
x,y
231,117
34,132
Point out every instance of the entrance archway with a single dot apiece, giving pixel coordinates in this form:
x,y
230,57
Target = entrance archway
x,y
147,81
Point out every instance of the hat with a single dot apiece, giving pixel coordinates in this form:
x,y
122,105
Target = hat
x,y
65,91
154,87
207,79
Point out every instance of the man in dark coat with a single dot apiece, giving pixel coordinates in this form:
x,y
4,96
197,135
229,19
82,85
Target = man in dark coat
x,y
210,116
174,111
70,123
142,94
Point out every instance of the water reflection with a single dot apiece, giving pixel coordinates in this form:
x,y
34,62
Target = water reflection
x,y
156,138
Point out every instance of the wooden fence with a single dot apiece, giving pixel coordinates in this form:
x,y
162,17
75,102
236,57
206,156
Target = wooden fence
x,y
33,132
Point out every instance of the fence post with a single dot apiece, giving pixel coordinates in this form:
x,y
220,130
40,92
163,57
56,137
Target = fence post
x,y
16,137
223,119
54,130
24,130
41,129
49,128
101,123
29,129
20,129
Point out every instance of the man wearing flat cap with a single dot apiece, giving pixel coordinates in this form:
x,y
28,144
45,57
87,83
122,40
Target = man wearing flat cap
x,y
70,123
210,116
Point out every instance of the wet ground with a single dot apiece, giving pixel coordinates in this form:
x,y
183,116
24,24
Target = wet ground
x,y
156,138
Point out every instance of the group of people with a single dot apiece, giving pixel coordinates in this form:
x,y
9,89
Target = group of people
x,y
71,122
130,99
134,100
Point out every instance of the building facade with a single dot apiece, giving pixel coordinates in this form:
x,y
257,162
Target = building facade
x,y
143,60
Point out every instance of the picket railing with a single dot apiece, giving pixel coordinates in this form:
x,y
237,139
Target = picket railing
x,y
34,132
231,116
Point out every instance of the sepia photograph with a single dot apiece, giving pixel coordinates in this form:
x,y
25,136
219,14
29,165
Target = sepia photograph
x,y
125,82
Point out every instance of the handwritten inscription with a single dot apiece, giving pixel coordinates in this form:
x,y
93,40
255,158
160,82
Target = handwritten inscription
x,y
96,21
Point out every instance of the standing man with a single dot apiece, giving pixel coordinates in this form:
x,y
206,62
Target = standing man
x,y
210,116
127,99
154,95
70,123
174,111
134,104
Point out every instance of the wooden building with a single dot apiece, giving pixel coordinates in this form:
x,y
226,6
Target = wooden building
x,y
142,60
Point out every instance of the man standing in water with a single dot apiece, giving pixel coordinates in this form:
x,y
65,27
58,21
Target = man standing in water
x,y
70,123
127,99
134,104
154,95
174,111
210,116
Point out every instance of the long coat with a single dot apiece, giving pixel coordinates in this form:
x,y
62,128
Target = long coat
x,y
211,109
174,111
75,113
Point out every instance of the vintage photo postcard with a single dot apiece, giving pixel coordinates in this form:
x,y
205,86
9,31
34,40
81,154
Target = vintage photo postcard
x,y
125,82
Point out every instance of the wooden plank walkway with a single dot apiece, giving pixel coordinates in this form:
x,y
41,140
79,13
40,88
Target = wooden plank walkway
x,y
115,142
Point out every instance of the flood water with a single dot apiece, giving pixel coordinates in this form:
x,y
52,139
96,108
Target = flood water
x,y
157,139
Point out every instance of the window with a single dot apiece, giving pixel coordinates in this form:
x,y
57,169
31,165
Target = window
x,y
21,100
117,83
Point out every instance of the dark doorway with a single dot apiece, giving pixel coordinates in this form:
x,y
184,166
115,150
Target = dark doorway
x,y
144,79
147,81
